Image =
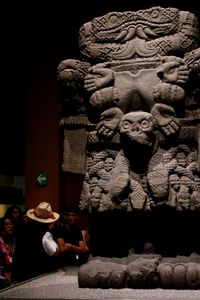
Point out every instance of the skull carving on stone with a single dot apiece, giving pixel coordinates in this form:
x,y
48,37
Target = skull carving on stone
x,y
137,127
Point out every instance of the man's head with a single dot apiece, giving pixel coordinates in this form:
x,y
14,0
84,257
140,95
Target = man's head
x,y
71,215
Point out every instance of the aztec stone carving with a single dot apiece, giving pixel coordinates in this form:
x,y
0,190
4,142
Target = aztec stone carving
x,y
130,117
134,65
151,271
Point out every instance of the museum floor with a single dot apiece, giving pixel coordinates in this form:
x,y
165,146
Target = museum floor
x,y
63,284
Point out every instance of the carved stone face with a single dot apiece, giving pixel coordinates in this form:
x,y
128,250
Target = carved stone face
x,y
137,127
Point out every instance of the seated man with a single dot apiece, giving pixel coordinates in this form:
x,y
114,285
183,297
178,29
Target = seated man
x,y
73,249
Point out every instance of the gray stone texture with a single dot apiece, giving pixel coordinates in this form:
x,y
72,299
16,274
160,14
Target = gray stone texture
x,y
130,116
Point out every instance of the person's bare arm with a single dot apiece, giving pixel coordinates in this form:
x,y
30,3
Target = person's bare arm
x,y
66,247
63,246
81,248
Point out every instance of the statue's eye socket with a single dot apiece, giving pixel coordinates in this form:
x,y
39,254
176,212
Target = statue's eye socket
x,y
126,124
144,124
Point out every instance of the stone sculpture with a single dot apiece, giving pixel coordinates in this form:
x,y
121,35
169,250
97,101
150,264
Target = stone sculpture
x,y
130,111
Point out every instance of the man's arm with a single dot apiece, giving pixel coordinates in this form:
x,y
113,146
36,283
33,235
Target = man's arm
x,y
67,247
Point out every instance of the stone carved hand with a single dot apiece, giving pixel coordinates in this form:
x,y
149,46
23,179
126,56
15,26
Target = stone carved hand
x,y
174,71
99,76
109,122
165,118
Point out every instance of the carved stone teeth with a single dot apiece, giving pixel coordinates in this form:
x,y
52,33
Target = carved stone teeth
x,y
131,33
122,35
140,33
150,33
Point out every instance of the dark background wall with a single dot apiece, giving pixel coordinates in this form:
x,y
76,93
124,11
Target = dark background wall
x,y
35,38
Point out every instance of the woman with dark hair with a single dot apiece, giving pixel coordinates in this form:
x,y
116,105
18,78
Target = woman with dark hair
x,y
14,212
7,249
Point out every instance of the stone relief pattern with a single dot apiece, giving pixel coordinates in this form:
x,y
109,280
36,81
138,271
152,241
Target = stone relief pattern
x,y
130,106
148,271
173,178
96,185
145,61
146,33
193,60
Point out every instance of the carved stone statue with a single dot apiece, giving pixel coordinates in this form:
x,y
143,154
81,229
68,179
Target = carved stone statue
x,y
130,115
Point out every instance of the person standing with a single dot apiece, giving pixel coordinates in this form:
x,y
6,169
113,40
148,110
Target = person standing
x,y
69,237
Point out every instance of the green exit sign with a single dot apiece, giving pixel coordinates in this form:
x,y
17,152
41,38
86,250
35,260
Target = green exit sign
x,y
41,179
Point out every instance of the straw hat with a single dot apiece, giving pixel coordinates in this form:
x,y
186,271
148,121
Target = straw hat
x,y
43,213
